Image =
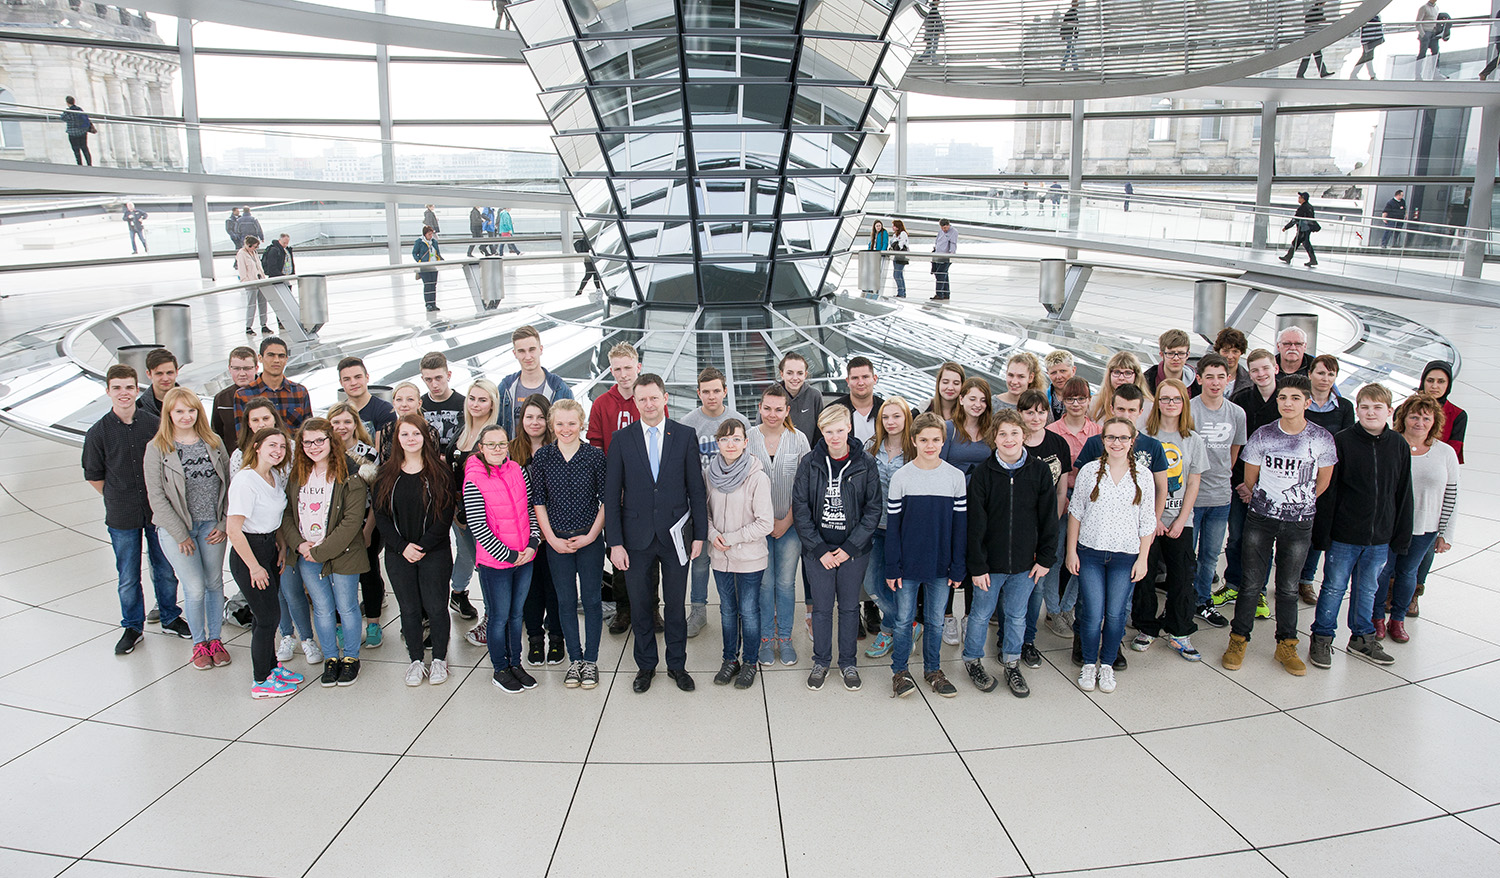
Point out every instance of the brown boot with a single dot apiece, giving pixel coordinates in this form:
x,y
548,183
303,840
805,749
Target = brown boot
x,y
1234,654
1286,653
1309,593
1411,611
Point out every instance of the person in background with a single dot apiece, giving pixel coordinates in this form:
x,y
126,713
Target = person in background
x,y
254,507
739,520
1371,35
1291,352
901,243
424,250
497,498
1111,525
135,221
1060,370
429,219
836,506
1075,428
544,630
584,247
278,260
187,476
705,420
1428,37
442,408
1314,18
413,506
531,380
487,220
1434,480
113,464
1069,32
1175,346
1304,223
1123,368
505,227
1129,191
481,409
892,448
161,370
232,228
1023,372
780,447
1231,344
292,400
926,521
805,400
247,264
241,374
568,476
946,242
322,530
1393,215
944,402
476,229
247,224
78,126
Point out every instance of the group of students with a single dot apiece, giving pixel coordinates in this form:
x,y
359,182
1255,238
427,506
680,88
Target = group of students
x,y
1046,502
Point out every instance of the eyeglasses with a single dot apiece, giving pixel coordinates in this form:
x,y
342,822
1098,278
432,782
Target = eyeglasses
x,y
1075,400
1116,439
1169,400
1294,344
315,443
731,440
242,368
1122,373
494,446
1175,355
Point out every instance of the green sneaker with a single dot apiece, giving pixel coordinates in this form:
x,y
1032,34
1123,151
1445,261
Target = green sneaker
x,y
1262,609
373,635
1225,595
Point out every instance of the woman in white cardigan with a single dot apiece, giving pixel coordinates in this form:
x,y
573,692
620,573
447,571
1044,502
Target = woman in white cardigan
x,y
247,263
739,519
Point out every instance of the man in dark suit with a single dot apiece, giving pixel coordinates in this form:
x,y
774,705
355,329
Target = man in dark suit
x,y
653,479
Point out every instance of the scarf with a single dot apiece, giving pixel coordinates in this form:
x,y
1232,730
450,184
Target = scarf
x,y
727,478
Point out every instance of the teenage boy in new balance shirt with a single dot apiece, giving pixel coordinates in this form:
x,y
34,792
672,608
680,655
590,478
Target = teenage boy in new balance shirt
x,y
1363,517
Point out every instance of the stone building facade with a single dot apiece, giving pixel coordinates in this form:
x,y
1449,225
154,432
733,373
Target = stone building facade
x,y
106,80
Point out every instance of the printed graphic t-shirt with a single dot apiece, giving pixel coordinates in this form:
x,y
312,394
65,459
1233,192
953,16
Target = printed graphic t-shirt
x,y
312,508
1287,489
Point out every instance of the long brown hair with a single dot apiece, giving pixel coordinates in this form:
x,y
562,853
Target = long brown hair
x,y
1184,420
166,431
437,478
251,455
936,405
908,443
338,460
259,402
961,417
1104,460
520,445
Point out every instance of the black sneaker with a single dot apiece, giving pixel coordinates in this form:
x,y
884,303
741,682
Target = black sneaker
x,y
536,652
940,684
1016,682
902,684
1212,616
555,652
620,623
526,680
872,617
979,676
1120,663
851,678
1029,655
506,682
348,673
179,626
746,679
816,677
458,602
128,641
330,673
727,672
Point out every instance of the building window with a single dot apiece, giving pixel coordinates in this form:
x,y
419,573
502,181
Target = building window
x,y
10,129
1161,126
1211,127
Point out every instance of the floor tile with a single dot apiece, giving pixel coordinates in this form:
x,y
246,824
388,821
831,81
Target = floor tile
x,y
342,782
51,684
834,723
1091,838
1160,690
1445,846
1440,749
55,798
929,785
35,634
20,864
1245,864
100,603
1293,786
662,830
570,717
105,869
1436,649
636,728
378,714
215,703
1054,711
1461,606
21,730
54,579
400,808
1267,679
19,555
25,526
1486,820
1478,688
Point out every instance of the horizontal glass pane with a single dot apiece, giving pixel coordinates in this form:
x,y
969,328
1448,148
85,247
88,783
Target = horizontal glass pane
x,y
241,87
555,66
838,60
454,91
734,151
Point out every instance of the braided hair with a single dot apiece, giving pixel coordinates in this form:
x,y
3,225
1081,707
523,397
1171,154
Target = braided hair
x,y
1104,461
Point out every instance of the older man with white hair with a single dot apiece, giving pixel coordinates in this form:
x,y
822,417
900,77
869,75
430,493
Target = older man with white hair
x,y
1291,351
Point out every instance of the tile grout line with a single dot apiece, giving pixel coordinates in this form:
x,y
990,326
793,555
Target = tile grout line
x,y
765,698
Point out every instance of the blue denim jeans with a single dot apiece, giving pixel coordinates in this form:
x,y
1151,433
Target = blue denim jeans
x,y
463,558
127,546
1012,594
778,590
875,587
1047,588
739,613
1398,580
505,612
1355,569
1310,566
294,605
202,577
1104,590
698,570
576,576
898,271
1232,552
1209,524
334,594
904,608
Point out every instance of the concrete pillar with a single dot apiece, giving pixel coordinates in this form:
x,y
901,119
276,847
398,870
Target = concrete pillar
x,y
202,233
387,148
1481,202
1264,173
901,153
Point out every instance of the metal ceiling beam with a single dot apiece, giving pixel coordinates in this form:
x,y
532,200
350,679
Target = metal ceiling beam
x,y
32,176
330,22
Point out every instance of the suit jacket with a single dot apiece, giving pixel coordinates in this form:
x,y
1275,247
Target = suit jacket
x,y
636,509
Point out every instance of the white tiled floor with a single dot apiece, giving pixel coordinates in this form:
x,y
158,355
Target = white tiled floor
x,y
111,763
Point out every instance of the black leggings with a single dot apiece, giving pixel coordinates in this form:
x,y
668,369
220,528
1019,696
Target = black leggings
x,y
265,603
422,588
371,586
80,144
542,597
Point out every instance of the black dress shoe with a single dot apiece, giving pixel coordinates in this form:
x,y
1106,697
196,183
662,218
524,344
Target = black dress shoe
x,y
642,681
620,624
684,682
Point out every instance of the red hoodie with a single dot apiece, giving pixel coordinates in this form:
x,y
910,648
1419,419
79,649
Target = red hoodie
x,y
610,412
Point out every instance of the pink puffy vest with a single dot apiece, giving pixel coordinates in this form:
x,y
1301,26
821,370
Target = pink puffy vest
x,y
505,508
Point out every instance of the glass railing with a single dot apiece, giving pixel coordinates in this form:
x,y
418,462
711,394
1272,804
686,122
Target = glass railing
x,y
1461,56
1428,255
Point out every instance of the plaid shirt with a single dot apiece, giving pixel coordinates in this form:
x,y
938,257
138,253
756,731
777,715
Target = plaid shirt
x,y
291,400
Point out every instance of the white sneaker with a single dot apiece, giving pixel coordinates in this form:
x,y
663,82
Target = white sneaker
x,y
1141,643
414,673
1106,678
1088,675
439,672
286,648
311,650
950,632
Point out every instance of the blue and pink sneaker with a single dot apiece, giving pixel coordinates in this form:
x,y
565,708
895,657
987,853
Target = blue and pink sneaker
x,y
273,687
282,672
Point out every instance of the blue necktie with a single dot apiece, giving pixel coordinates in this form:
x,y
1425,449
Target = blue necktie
x,y
653,451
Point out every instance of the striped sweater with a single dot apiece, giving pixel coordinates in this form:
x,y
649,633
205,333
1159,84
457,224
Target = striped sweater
x,y
927,527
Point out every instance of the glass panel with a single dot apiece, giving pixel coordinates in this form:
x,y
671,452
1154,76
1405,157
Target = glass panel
x,y
645,58
815,194
893,67
612,16
673,282
571,111
448,91
781,14
796,280
723,197
555,66
540,21
708,13
580,153
838,60
592,196
819,151
859,190
766,103
733,239
646,197
767,56
847,17
736,281
830,106
711,56
734,151
649,152
222,82
882,108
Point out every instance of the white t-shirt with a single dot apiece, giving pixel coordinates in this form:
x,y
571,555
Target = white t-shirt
x,y
260,503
